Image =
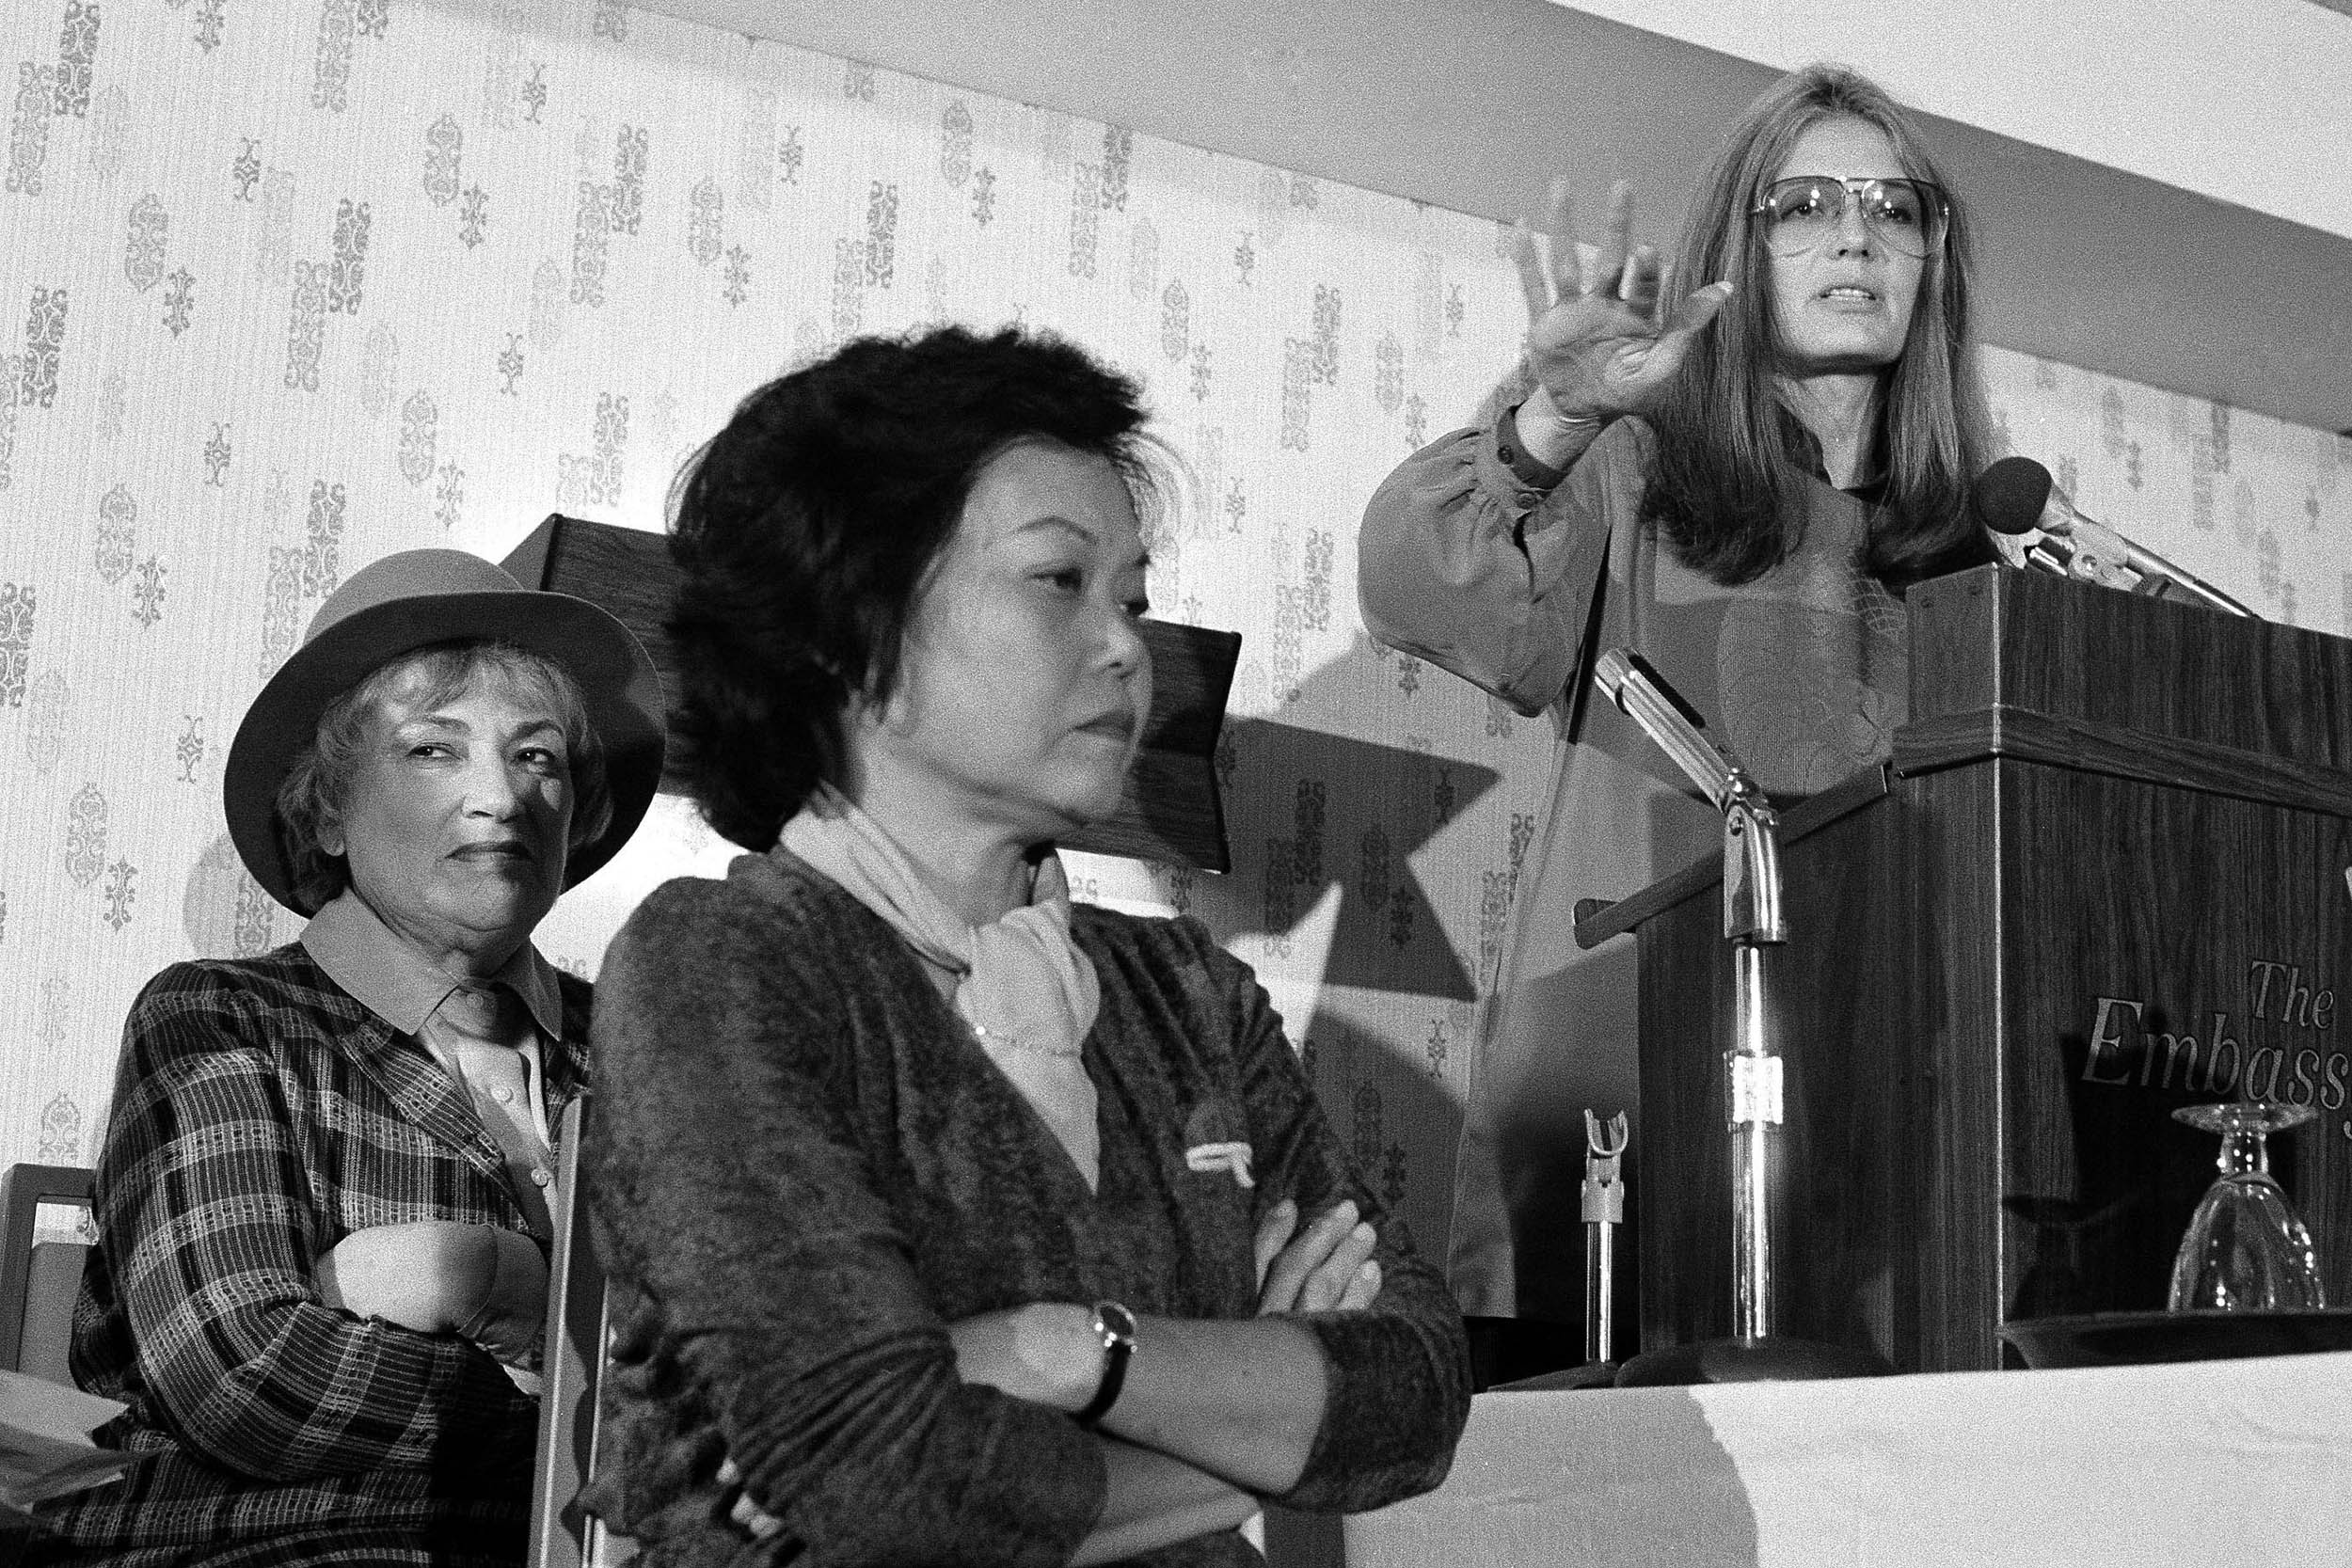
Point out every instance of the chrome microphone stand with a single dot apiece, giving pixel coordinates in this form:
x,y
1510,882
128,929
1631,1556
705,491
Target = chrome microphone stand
x,y
1604,1211
1752,923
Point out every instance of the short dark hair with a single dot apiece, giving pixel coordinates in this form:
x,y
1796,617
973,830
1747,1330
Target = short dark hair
x,y
1723,489
804,530
317,786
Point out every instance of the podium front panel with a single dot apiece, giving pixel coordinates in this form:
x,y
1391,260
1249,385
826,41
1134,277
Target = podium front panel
x,y
2003,975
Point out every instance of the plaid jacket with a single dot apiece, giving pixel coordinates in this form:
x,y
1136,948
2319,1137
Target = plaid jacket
x,y
260,1115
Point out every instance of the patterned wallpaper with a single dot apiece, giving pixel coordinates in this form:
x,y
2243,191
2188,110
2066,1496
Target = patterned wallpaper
x,y
287,286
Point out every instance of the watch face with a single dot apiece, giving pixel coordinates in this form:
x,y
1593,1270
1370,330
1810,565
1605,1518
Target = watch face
x,y
1116,1327
1115,1324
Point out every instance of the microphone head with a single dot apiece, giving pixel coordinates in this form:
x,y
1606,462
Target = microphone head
x,y
2010,495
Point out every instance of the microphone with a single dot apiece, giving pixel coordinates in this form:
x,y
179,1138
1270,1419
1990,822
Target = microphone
x,y
1643,695
2016,496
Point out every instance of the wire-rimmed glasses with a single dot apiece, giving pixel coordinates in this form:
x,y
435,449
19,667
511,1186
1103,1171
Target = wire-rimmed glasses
x,y
1909,216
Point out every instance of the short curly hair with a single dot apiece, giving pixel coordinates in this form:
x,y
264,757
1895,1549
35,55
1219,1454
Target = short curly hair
x,y
317,786
804,530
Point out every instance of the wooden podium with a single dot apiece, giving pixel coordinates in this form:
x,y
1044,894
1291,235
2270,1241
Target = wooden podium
x,y
2108,872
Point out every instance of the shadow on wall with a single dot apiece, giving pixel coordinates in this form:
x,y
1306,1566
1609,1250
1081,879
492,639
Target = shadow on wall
x,y
1325,831
1389,937
224,914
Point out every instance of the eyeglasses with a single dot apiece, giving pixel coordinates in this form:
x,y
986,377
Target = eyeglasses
x,y
1910,216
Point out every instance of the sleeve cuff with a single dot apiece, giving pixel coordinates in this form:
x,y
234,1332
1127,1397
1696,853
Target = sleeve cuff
x,y
1515,456
511,1318
1392,1416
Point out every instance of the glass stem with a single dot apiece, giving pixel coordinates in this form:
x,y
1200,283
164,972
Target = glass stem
x,y
2244,1152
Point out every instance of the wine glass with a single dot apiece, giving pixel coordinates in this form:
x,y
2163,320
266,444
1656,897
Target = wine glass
x,y
2246,1250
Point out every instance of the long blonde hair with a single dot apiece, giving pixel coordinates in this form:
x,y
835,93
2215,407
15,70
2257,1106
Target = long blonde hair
x,y
1723,490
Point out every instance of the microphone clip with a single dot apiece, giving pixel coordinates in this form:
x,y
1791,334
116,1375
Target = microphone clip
x,y
2036,526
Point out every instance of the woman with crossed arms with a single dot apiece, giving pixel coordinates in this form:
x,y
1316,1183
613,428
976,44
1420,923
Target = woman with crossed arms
x,y
948,1219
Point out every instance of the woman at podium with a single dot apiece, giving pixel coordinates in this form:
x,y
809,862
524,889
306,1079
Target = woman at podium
x,y
1737,484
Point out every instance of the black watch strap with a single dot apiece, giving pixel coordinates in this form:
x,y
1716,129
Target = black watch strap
x,y
1116,1327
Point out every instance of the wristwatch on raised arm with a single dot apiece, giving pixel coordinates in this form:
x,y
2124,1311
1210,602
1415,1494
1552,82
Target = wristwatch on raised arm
x,y
1116,1327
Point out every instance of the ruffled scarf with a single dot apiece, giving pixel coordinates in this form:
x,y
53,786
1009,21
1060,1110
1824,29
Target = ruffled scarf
x,y
1029,996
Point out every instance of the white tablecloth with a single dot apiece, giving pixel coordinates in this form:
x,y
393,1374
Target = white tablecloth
x,y
2209,1464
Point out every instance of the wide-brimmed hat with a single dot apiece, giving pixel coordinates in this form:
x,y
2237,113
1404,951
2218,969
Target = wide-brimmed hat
x,y
412,601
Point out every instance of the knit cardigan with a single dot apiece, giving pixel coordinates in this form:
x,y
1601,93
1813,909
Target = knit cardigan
x,y
801,1167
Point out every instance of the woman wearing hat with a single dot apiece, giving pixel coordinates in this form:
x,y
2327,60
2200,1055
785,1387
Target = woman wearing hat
x,y
321,1203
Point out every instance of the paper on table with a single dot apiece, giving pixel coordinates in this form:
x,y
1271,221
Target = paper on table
x,y
46,1450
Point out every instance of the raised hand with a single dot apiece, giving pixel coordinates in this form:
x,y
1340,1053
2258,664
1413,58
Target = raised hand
x,y
1327,1267
1599,339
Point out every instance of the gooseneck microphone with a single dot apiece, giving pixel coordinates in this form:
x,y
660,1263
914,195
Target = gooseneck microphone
x,y
2016,496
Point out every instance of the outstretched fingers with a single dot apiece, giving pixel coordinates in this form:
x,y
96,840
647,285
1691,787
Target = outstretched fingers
x,y
1696,310
1605,276
1638,285
1545,254
1672,342
1661,290
1527,255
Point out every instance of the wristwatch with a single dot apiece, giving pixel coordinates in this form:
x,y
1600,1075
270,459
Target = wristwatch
x,y
1116,1327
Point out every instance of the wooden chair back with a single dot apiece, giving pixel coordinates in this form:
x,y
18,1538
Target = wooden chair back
x,y
38,1279
562,1535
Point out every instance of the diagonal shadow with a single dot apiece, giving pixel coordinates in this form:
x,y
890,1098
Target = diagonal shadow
x,y
1387,802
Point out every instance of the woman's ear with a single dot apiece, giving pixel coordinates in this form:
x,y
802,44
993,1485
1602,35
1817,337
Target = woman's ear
x,y
329,834
870,709
860,714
